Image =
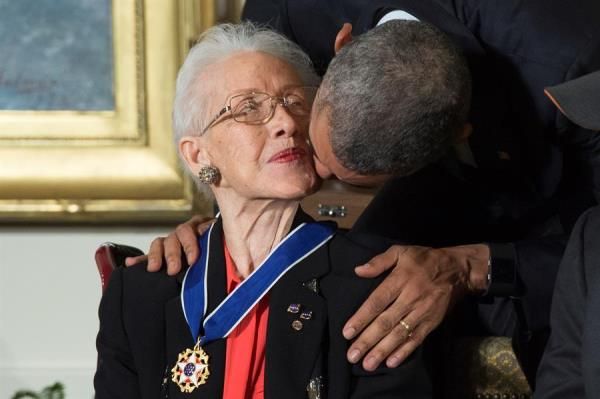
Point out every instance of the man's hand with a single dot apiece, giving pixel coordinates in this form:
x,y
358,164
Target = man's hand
x,y
412,300
184,237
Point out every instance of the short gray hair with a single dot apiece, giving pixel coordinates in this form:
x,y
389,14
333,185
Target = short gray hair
x,y
190,115
396,97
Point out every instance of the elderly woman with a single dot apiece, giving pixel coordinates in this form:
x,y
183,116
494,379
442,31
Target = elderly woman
x,y
260,315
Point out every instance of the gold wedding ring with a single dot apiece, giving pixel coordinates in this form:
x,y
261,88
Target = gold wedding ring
x,y
407,327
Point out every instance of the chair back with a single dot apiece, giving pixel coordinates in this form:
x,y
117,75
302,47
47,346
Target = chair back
x,y
109,256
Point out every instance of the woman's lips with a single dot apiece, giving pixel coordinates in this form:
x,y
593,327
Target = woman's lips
x,y
288,155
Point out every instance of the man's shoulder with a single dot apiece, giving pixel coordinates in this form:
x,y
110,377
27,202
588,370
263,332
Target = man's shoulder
x,y
551,33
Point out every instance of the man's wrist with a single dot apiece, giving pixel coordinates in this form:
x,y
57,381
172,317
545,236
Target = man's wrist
x,y
473,261
478,263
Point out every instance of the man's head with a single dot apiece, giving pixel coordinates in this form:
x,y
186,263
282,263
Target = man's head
x,y
392,101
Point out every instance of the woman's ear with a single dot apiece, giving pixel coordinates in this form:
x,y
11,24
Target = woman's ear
x,y
193,153
343,37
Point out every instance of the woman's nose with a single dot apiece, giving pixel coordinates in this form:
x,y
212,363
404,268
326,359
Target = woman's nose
x,y
283,123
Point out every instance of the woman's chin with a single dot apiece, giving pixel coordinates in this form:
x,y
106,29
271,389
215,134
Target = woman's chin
x,y
295,189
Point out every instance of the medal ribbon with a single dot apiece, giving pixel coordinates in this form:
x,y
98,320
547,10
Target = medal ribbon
x,y
297,245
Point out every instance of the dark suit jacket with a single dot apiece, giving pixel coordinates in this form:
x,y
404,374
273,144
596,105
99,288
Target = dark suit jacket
x,y
536,171
142,330
570,367
522,144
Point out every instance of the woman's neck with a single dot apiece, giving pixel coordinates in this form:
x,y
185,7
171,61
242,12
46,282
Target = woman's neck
x,y
253,228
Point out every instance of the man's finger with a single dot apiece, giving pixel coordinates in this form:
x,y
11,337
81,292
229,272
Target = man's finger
x,y
134,260
381,262
198,223
172,249
378,301
155,255
186,235
403,331
399,335
202,227
409,346
384,324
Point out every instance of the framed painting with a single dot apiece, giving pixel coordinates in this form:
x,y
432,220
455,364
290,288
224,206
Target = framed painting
x,y
86,88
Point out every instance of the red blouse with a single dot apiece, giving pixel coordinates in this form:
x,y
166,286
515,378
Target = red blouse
x,y
245,356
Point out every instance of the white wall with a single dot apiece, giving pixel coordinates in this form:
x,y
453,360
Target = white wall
x,y
49,295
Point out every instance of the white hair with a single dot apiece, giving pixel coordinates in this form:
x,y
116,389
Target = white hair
x,y
217,43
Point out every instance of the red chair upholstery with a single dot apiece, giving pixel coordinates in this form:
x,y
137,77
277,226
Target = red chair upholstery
x,y
109,256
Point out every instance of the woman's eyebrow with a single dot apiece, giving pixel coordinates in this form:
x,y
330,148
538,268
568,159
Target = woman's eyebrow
x,y
244,91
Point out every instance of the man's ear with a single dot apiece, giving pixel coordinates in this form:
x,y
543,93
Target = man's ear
x,y
464,133
343,37
193,153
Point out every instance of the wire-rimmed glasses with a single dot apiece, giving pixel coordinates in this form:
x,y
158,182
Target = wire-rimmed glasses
x,y
256,108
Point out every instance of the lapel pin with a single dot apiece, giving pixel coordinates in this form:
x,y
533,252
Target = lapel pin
x,y
297,325
306,315
293,308
316,388
312,285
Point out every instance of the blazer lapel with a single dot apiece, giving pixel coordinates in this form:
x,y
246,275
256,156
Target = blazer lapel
x,y
179,338
294,339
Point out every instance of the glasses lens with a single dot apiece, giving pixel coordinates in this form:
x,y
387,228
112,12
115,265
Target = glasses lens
x,y
299,100
251,107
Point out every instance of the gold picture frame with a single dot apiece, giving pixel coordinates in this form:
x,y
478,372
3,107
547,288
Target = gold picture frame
x,y
117,165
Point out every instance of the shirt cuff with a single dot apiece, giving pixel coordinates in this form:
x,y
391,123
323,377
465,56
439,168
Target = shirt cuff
x,y
502,273
397,14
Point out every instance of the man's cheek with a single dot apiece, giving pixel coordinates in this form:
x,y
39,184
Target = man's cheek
x,y
322,170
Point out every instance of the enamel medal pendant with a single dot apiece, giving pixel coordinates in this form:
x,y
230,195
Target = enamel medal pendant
x,y
191,369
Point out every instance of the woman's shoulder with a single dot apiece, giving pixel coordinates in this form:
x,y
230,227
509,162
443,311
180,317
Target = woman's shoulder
x,y
341,287
348,249
137,284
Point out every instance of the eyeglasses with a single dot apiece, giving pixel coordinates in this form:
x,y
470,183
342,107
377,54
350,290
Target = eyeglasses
x,y
256,108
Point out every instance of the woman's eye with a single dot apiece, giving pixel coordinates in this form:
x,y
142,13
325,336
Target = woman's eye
x,y
248,106
295,101
297,106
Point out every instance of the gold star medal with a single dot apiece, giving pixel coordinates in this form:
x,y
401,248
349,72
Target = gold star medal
x,y
191,369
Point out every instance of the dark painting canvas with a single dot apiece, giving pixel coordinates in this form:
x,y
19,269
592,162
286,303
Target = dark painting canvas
x,y
56,55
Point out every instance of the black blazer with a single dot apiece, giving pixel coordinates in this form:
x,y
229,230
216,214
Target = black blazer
x,y
142,331
570,367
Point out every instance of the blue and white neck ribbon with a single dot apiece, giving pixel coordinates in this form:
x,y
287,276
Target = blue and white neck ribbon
x,y
297,245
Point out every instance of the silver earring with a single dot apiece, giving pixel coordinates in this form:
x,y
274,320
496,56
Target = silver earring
x,y
209,174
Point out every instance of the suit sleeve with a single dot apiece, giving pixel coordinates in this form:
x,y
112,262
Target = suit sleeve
x,y
560,374
532,268
116,375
